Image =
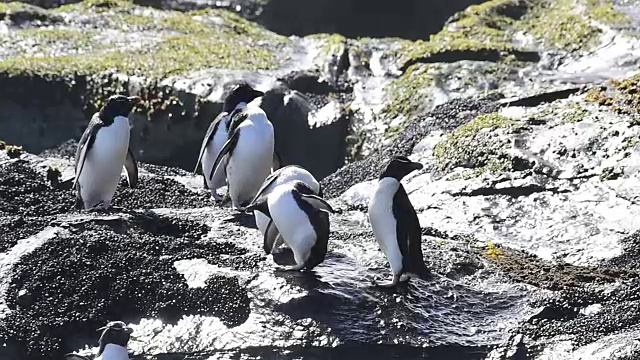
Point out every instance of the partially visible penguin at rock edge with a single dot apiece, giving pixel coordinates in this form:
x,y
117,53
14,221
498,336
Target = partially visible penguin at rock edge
x,y
279,177
395,222
112,344
217,135
249,153
301,218
102,151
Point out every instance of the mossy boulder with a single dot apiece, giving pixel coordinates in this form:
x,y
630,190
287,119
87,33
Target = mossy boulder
x,y
480,144
116,35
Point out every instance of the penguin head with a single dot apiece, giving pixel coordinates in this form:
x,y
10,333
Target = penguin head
x,y
259,205
241,93
399,167
115,332
118,105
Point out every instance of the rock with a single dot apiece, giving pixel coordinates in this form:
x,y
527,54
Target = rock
x,y
527,199
179,102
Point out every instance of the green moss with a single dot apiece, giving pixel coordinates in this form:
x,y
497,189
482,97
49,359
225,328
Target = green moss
x,y
573,113
561,24
96,5
407,92
479,27
475,145
13,151
12,6
72,38
187,42
621,96
331,43
603,11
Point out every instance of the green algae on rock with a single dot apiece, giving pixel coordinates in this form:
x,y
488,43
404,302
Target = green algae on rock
x,y
621,96
477,145
407,93
173,42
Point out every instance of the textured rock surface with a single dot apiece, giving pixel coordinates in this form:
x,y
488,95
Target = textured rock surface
x,y
527,199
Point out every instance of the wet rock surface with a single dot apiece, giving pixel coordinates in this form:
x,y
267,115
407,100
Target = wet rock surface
x,y
527,199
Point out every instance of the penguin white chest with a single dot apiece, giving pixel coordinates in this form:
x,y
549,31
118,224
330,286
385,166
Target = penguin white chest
x,y
210,154
104,161
250,161
292,223
114,352
384,223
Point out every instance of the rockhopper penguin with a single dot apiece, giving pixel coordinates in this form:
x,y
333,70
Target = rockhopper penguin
x,y
395,223
279,177
101,153
249,153
113,343
217,136
302,220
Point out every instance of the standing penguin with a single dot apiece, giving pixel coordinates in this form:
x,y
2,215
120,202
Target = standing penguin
x,y
279,177
217,136
250,151
101,153
113,343
302,220
395,223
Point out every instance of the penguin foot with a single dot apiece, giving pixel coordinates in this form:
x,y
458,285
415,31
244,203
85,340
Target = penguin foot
x,y
393,283
224,200
290,268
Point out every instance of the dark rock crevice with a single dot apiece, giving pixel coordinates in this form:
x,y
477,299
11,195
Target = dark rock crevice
x,y
491,55
511,191
546,97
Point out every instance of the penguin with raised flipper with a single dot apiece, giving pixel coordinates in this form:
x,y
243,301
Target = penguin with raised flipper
x,y
279,177
112,343
102,152
395,223
249,151
217,135
301,218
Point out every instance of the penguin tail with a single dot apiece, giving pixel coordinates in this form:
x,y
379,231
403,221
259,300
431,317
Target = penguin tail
x,y
421,271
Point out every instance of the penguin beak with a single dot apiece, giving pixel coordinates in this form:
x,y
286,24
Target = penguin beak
x,y
416,166
258,93
128,330
134,99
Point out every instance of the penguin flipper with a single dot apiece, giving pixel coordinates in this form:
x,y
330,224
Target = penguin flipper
x,y
85,144
237,118
409,235
75,357
207,137
265,184
132,169
317,202
270,237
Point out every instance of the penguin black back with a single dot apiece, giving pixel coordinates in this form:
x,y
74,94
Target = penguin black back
x,y
115,332
319,221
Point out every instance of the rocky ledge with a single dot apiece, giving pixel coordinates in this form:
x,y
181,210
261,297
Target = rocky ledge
x,y
523,112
